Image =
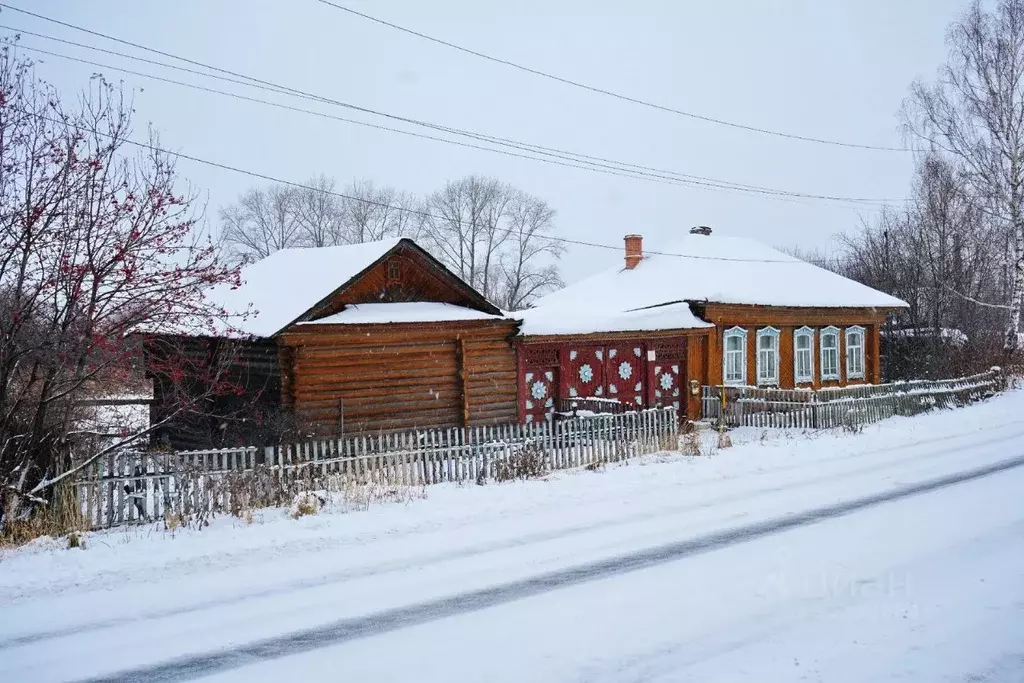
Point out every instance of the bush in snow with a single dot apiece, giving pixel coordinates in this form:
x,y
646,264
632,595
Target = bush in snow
x,y
689,444
308,503
61,517
527,463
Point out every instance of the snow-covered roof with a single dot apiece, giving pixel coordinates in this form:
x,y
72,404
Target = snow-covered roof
x,y
286,284
554,320
404,312
714,268
698,268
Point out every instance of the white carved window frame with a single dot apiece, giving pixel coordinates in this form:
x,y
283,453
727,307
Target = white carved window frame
x,y
768,359
741,334
808,334
855,352
830,371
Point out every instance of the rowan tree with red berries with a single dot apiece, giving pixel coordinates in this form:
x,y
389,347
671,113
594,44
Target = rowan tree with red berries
x,y
97,248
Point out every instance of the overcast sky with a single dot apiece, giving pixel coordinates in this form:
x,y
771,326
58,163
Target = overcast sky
x,y
836,70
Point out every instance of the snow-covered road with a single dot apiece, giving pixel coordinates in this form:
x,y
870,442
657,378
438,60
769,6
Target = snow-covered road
x,y
897,554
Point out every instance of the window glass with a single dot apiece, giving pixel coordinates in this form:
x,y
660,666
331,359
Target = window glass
x,y
735,361
803,368
854,352
768,356
830,354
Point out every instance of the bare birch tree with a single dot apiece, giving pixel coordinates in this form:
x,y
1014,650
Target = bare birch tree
x,y
974,113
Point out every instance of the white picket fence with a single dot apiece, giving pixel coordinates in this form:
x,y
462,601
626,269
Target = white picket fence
x,y
842,406
136,486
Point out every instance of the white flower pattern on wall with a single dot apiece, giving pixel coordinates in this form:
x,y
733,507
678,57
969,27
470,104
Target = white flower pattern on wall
x,y
539,390
625,370
666,381
586,373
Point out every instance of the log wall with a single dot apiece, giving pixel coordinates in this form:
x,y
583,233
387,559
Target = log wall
x,y
787,321
399,376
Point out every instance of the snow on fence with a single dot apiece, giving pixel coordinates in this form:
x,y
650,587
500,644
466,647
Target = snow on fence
x,y
134,486
594,404
842,406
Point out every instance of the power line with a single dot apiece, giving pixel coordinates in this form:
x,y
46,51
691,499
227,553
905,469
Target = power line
x,y
696,180
278,105
480,136
556,159
425,214
569,158
699,181
610,93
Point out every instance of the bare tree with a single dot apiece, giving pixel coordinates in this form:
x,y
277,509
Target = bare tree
x,y
466,228
319,214
528,263
814,256
316,214
95,244
371,213
937,254
263,221
497,238
974,113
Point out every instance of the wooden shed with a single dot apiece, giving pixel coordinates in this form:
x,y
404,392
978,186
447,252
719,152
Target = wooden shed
x,y
365,338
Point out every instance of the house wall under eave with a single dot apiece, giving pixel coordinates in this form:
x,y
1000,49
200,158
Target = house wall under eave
x,y
383,377
661,364
787,321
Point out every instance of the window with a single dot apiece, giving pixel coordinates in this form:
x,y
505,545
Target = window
x,y
830,353
734,361
767,356
394,270
803,355
855,352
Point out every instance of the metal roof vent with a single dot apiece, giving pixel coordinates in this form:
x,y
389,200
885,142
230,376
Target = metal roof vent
x,y
700,230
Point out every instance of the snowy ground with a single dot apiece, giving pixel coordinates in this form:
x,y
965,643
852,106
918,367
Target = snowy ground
x,y
893,555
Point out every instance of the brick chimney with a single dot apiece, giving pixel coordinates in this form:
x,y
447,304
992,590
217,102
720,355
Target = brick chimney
x,y
634,250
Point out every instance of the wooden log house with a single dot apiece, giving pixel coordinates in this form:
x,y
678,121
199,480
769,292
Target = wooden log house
x,y
359,338
708,310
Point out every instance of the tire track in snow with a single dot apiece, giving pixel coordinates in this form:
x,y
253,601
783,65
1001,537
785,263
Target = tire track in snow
x,y
346,630
418,561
